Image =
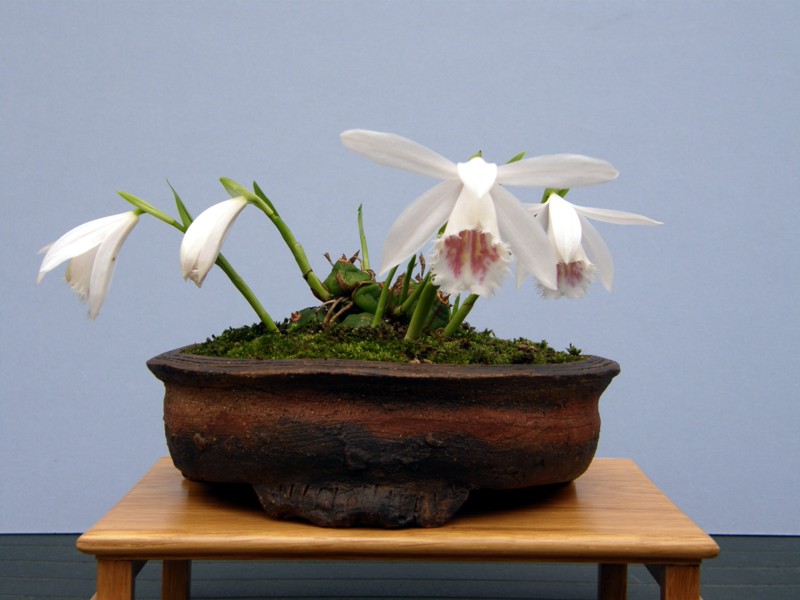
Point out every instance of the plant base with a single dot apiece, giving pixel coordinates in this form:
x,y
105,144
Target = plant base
x,y
413,504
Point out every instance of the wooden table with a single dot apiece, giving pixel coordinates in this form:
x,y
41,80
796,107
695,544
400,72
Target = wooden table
x,y
613,516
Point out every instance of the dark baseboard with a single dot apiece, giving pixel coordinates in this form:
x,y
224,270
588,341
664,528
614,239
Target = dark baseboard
x,y
48,566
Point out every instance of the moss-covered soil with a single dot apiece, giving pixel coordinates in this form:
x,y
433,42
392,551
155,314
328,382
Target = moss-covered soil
x,y
386,344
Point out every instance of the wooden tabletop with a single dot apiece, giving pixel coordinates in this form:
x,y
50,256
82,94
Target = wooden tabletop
x,y
613,513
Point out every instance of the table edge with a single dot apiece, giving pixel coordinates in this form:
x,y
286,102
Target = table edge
x,y
403,544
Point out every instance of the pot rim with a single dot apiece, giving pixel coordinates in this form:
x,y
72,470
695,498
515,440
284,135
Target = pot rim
x,y
179,360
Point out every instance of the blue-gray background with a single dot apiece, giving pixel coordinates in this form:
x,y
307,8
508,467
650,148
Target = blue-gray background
x,y
694,102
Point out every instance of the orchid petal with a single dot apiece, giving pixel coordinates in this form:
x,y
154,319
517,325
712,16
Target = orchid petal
x,y
535,209
615,216
556,171
473,212
564,229
419,222
104,262
79,240
401,153
477,175
527,239
203,239
598,253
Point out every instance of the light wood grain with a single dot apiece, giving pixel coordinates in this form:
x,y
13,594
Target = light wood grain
x,y
678,582
612,514
176,579
116,579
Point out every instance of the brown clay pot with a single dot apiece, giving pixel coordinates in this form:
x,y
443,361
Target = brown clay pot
x,y
342,443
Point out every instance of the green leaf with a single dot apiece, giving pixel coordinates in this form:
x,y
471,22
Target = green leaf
x,y
363,237
186,218
516,158
259,192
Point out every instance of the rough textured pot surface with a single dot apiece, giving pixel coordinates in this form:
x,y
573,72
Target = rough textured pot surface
x,y
342,443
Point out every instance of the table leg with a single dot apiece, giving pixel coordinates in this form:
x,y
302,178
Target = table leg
x,y
678,582
116,579
176,580
612,581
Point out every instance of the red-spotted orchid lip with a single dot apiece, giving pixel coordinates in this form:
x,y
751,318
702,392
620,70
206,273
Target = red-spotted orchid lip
x,y
470,261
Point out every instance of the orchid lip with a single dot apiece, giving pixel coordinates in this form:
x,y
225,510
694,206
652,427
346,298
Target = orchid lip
x,y
470,260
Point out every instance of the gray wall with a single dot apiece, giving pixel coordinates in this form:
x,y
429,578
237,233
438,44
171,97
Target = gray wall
x,y
694,102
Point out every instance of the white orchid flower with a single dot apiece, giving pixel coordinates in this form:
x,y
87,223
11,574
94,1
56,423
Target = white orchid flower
x,y
485,222
203,240
581,252
91,250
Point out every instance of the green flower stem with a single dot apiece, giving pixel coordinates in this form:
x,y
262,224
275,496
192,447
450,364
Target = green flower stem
x,y
262,202
221,262
406,304
456,304
458,317
407,279
248,294
384,298
422,311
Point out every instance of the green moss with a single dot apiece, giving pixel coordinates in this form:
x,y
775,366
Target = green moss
x,y
386,344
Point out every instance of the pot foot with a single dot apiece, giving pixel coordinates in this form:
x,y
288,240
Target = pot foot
x,y
347,504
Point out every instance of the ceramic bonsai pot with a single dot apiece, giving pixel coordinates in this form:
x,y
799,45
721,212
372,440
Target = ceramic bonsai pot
x,y
343,443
